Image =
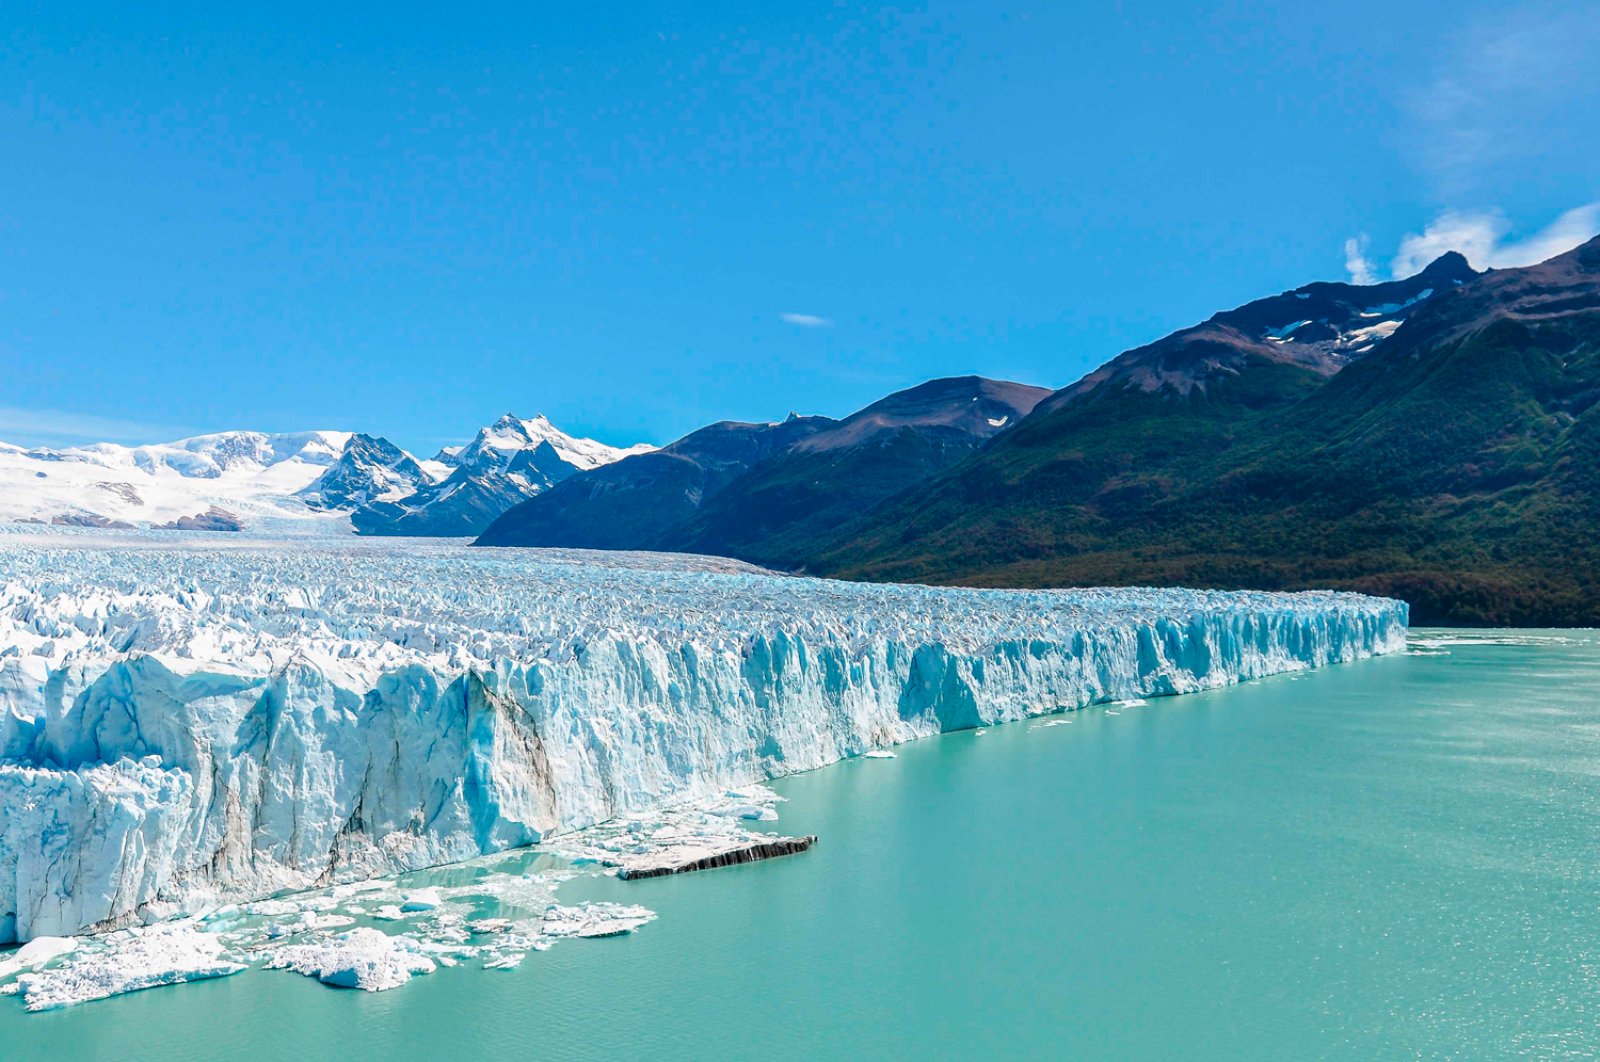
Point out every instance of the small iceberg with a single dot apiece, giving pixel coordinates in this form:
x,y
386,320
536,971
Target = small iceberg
x,y
365,959
597,919
36,953
505,962
421,900
132,960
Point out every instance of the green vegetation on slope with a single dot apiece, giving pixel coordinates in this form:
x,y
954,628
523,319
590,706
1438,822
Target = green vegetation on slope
x,y
1455,468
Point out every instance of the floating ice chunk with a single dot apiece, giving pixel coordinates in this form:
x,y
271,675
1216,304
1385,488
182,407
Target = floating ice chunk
x,y
490,925
877,754
364,958
752,813
308,922
597,919
128,961
505,962
1132,702
421,900
36,953
356,888
389,912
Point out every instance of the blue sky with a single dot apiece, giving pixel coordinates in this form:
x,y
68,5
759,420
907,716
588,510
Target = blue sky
x,y
638,218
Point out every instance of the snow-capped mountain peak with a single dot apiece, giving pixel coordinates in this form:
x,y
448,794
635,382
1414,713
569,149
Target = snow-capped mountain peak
x,y
506,462
370,469
499,442
295,482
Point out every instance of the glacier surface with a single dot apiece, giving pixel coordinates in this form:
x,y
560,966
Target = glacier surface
x,y
185,724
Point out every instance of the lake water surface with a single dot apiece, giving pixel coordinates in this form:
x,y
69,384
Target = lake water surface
x,y
1395,858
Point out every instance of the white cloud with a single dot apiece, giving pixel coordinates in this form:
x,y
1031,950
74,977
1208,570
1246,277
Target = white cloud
x,y
1510,87
1481,237
1357,262
34,426
805,320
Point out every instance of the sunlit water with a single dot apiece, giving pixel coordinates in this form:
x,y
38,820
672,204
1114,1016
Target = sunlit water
x,y
1396,858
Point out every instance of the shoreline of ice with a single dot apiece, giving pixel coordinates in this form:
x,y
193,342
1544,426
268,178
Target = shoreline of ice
x,y
183,727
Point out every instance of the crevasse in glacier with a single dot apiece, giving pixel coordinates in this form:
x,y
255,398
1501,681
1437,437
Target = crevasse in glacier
x,y
187,723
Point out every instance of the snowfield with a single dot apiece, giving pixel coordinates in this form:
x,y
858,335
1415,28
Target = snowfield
x,y
285,485
186,722
253,477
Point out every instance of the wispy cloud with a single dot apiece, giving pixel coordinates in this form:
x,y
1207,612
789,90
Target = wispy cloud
x,y
1357,262
805,320
41,426
1481,236
1504,89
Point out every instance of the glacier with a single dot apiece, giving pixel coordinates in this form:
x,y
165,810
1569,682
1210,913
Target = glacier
x,y
186,723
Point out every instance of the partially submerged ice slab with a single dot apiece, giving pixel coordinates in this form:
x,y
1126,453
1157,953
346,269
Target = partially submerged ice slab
x,y
362,958
710,858
185,726
596,919
130,961
706,834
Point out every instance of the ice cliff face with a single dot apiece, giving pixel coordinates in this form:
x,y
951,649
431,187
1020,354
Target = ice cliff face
x,y
187,723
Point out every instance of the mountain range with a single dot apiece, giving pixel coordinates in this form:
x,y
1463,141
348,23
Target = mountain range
x,y
508,462
318,482
1454,464
765,492
1435,438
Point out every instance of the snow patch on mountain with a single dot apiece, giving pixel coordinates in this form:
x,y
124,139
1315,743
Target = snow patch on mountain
x,y
293,484
500,442
505,464
250,477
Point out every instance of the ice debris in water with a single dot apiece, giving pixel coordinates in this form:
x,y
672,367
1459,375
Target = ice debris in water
x,y
362,958
701,832
129,961
495,910
421,900
35,953
595,920
289,715
878,754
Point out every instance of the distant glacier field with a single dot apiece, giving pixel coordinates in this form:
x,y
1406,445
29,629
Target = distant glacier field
x,y
187,721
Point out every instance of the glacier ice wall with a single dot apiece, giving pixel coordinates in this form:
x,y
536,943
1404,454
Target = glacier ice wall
x,y
187,724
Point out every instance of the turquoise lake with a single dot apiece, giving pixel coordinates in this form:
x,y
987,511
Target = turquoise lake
x,y
1395,858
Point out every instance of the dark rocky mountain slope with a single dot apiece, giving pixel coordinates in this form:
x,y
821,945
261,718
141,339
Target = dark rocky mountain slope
x,y
763,491
1454,461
